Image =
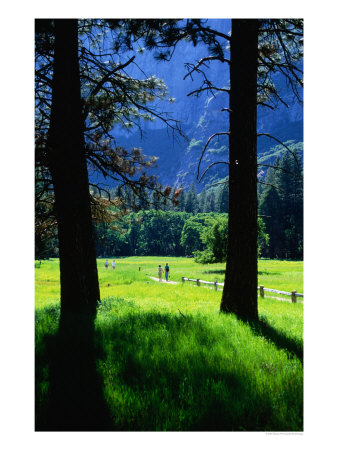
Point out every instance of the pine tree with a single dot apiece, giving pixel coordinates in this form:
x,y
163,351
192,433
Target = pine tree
x,y
240,287
109,96
210,203
191,203
270,209
291,194
202,200
222,202
252,65
155,201
181,201
67,163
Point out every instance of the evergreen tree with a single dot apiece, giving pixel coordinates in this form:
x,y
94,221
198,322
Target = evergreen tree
x,y
172,205
240,286
210,203
67,163
181,201
222,202
281,206
155,201
191,203
202,201
107,98
270,210
142,200
262,47
291,194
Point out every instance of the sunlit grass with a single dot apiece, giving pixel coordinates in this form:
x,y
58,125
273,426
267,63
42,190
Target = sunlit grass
x,y
170,361
281,275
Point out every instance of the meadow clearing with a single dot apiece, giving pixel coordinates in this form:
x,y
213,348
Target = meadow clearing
x,y
168,360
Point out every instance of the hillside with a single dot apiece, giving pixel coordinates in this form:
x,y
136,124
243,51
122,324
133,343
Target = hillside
x,y
201,117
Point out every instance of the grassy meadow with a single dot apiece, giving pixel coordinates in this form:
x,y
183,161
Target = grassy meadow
x,y
168,360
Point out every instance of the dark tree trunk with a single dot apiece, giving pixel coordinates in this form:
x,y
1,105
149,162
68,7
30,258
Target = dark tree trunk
x,y
240,288
67,162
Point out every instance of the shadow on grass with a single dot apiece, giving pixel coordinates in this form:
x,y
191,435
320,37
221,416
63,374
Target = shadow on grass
x,y
177,377
177,387
281,341
216,272
75,400
163,372
222,272
263,272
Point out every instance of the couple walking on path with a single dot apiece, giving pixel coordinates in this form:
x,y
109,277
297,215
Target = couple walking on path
x,y
166,270
113,264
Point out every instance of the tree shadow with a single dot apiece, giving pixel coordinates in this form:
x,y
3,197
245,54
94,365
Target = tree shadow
x,y
165,373
262,272
281,341
75,400
175,381
216,272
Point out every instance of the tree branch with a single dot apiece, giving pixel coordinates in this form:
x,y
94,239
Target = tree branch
x,y
281,168
205,147
209,88
210,165
272,185
214,32
281,143
265,104
220,182
203,60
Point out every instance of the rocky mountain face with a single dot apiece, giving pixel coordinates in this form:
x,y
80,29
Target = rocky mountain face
x,y
201,117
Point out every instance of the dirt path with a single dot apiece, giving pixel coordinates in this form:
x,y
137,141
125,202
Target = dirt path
x,y
163,281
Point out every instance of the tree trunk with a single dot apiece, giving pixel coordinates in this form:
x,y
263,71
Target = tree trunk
x,y
240,288
67,163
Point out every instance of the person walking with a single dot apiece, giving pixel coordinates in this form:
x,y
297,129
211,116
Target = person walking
x,y
106,264
160,270
113,264
166,271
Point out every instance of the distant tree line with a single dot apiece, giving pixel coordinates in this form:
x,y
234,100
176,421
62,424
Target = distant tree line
x,y
198,225
280,204
169,233
212,200
164,233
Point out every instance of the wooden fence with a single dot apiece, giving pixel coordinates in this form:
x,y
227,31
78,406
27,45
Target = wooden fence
x,y
262,289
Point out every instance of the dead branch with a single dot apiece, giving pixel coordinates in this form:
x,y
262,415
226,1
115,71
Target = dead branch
x,y
203,60
265,104
272,185
281,168
210,165
281,143
214,32
220,182
206,145
209,88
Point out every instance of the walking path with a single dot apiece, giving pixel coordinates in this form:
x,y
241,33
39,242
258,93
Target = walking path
x,y
163,281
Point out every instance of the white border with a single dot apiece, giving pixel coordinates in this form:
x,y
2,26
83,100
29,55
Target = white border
x,y
17,220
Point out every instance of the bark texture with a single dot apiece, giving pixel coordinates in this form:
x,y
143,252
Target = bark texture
x,y
67,162
240,288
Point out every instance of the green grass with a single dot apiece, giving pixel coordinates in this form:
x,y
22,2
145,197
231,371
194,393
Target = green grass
x,y
167,359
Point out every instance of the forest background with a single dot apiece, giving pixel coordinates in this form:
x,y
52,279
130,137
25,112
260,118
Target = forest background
x,y
17,230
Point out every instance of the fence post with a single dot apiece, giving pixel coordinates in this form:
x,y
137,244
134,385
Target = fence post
x,y
198,282
215,284
261,291
182,279
293,297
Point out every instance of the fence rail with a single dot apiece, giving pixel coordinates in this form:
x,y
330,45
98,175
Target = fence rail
x,y
262,289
